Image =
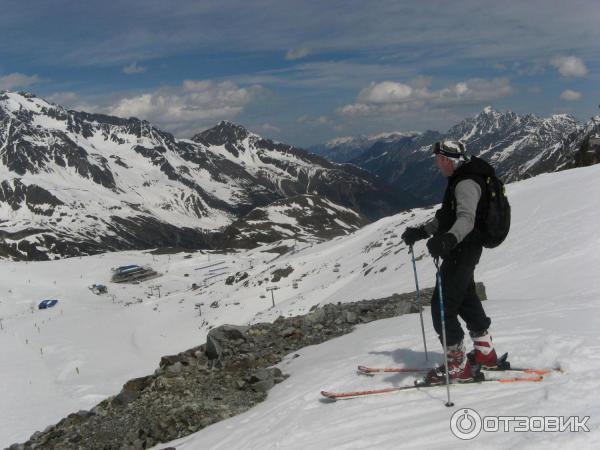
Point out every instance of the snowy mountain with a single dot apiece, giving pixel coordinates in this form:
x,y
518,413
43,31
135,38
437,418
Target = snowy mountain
x,y
517,146
543,300
347,148
76,183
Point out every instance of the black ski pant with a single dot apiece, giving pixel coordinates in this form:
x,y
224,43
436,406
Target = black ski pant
x,y
460,297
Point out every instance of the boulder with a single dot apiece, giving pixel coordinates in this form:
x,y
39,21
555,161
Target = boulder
x,y
222,337
132,389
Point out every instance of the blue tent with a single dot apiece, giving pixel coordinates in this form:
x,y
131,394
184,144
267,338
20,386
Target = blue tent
x,y
47,304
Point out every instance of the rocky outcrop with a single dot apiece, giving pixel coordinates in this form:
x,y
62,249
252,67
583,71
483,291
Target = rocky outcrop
x,y
224,377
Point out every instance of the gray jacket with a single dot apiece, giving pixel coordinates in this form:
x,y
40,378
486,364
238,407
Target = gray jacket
x,y
467,194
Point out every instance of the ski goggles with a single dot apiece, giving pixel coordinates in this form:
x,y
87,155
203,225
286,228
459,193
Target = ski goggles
x,y
440,148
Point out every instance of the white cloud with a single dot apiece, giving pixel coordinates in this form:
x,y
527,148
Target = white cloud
x,y
18,80
133,68
297,53
385,92
394,97
270,128
355,109
570,95
569,66
194,103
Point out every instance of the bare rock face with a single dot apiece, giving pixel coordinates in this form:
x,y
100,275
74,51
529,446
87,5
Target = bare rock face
x,y
226,376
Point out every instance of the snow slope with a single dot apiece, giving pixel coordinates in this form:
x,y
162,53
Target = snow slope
x,y
544,301
543,292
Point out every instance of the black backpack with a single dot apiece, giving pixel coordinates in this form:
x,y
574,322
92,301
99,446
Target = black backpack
x,y
496,223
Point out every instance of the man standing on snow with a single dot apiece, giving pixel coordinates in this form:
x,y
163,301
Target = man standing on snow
x,y
457,239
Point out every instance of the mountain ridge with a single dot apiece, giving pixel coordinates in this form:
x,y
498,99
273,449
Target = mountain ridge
x,y
518,146
78,183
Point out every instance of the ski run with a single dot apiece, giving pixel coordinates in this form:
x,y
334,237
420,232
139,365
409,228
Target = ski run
x,y
544,301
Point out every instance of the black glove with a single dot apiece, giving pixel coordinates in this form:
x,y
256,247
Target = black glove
x,y
441,245
413,234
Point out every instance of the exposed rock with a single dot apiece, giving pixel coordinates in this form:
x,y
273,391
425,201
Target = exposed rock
x,y
264,379
351,317
223,334
132,389
239,276
281,273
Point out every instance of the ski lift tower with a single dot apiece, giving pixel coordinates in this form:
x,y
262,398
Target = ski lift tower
x,y
274,288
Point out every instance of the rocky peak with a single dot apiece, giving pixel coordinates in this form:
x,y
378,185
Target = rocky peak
x,y
490,117
223,133
487,123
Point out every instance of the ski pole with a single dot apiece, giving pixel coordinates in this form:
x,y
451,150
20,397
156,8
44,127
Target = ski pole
x,y
418,298
442,315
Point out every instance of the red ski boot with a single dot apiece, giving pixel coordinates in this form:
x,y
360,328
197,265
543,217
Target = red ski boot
x,y
459,368
483,354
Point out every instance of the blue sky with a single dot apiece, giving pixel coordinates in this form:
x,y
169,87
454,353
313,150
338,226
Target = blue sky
x,y
303,72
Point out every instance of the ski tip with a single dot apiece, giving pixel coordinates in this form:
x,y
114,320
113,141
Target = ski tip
x,y
364,370
328,395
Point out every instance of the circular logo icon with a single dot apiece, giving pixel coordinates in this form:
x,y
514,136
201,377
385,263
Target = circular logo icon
x,y
465,423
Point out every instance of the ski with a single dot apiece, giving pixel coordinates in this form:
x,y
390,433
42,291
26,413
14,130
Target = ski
x,y
503,366
418,385
375,370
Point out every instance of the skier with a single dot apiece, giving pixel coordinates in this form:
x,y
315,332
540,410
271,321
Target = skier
x,y
457,239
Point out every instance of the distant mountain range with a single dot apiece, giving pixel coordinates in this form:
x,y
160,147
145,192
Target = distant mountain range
x,y
518,146
345,149
77,183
